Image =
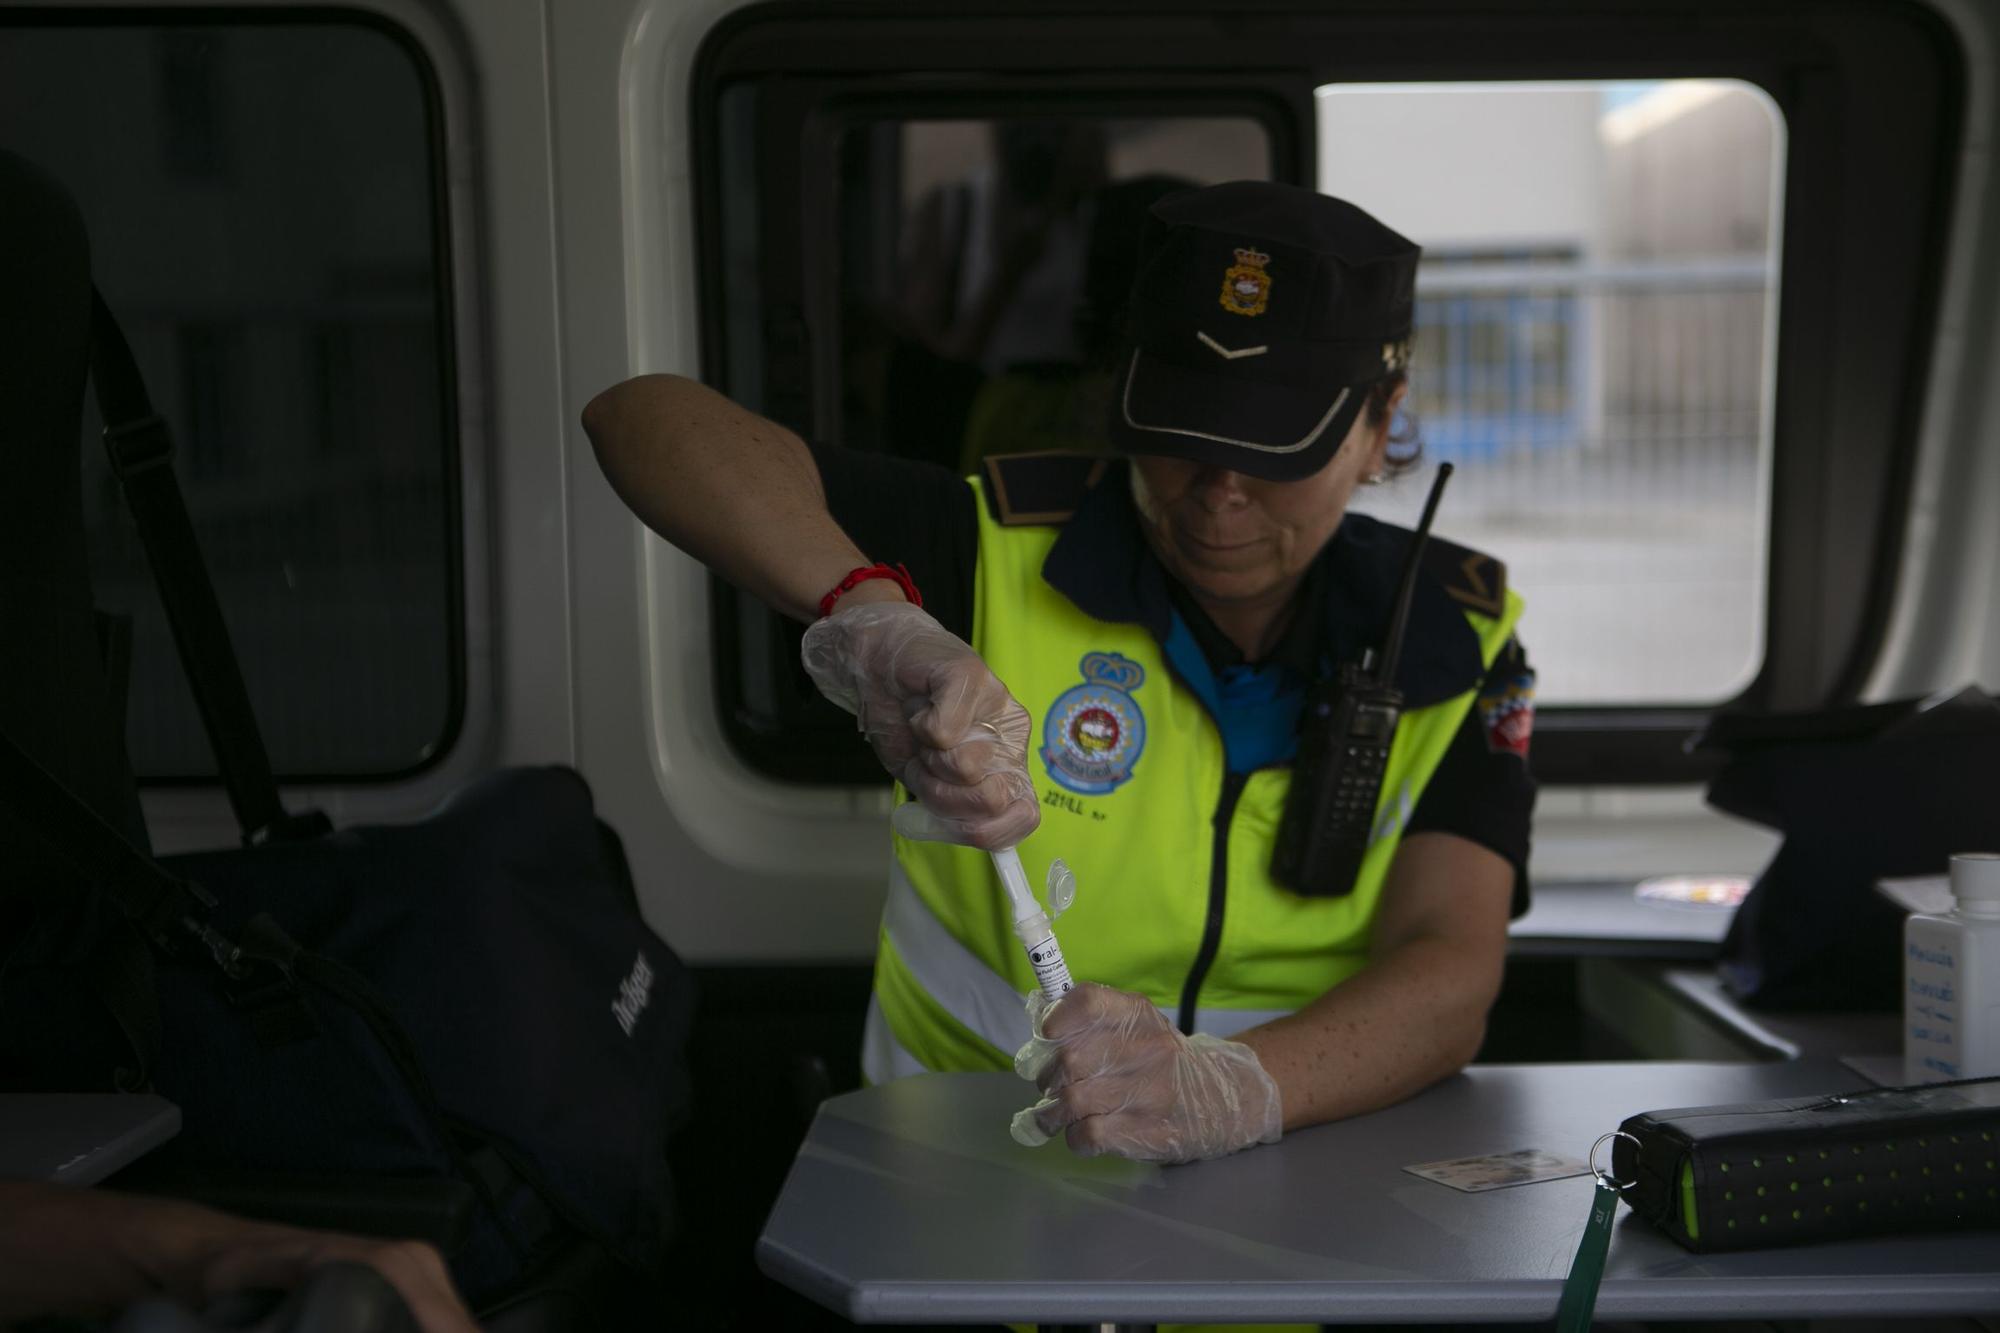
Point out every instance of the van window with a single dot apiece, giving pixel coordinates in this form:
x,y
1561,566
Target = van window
x,y
1698,475
982,320
962,303
264,199
1595,332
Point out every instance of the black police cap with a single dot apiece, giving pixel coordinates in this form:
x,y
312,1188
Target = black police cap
x,y
1261,315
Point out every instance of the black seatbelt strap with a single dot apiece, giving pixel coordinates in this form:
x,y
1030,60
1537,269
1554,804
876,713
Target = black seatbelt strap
x,y
141,451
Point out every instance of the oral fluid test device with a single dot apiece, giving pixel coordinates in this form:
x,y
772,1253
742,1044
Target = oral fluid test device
x,y
1031,926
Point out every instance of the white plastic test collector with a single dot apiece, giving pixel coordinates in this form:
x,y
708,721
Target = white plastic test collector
x,y
1031,923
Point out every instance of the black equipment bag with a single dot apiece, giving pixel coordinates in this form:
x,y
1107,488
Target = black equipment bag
x,y
1860,794
504,939
472,999
476,1000
1800,1169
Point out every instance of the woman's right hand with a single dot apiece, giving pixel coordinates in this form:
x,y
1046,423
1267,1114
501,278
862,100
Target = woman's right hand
x,y
938,719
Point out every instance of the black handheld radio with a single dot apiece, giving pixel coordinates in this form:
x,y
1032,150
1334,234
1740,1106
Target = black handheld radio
x,y
1350,723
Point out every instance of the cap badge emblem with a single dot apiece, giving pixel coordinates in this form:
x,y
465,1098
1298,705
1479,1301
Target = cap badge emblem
x,y
1246,287
1396,355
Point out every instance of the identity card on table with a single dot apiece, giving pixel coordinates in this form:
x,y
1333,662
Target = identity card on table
x,y
1498,1170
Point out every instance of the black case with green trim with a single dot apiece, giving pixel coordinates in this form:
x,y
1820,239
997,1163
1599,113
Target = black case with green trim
x,y
1924,1158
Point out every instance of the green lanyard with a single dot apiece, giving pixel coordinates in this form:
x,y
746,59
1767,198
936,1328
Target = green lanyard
x,y
1586,1271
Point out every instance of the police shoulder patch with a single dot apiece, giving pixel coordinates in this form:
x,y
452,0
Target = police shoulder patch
x,y
1023,490
1507,703
1474,579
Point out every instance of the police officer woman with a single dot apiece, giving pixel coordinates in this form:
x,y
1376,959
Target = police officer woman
x,y
1123,651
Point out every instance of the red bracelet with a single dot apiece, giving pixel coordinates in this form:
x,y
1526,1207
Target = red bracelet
x,y
895,574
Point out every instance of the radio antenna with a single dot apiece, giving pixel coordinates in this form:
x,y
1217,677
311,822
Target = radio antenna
x,y
1392,648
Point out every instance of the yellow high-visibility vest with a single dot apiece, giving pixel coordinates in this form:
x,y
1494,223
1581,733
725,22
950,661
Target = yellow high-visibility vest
x,y
1172,853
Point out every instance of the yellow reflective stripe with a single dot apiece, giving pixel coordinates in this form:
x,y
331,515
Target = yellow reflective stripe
x,y
955,977
981,999
882,1056
923,1028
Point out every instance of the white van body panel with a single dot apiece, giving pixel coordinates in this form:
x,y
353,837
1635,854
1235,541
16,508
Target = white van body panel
x,y
588,638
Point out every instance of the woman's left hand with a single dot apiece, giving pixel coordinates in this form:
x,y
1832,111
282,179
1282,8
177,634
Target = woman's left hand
x,y
1117,1077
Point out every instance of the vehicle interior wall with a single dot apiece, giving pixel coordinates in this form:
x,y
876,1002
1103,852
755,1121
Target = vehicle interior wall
x,y
574,259
575,252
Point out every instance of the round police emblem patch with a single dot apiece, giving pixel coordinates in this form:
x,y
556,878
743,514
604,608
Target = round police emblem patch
x,y
1093,732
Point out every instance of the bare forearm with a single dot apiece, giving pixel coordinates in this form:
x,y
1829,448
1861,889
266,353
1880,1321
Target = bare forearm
x,y
73,1251
1411,1018
86,1252
737,492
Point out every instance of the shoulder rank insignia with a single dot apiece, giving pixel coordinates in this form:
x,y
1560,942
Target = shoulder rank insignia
x,y
1246,285
1474,579
1023,490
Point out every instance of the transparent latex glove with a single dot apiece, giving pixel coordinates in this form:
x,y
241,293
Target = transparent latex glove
x,y
939,720
1117,1077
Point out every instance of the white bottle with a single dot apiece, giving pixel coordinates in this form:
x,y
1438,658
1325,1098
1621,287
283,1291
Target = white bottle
x,y
1951,979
